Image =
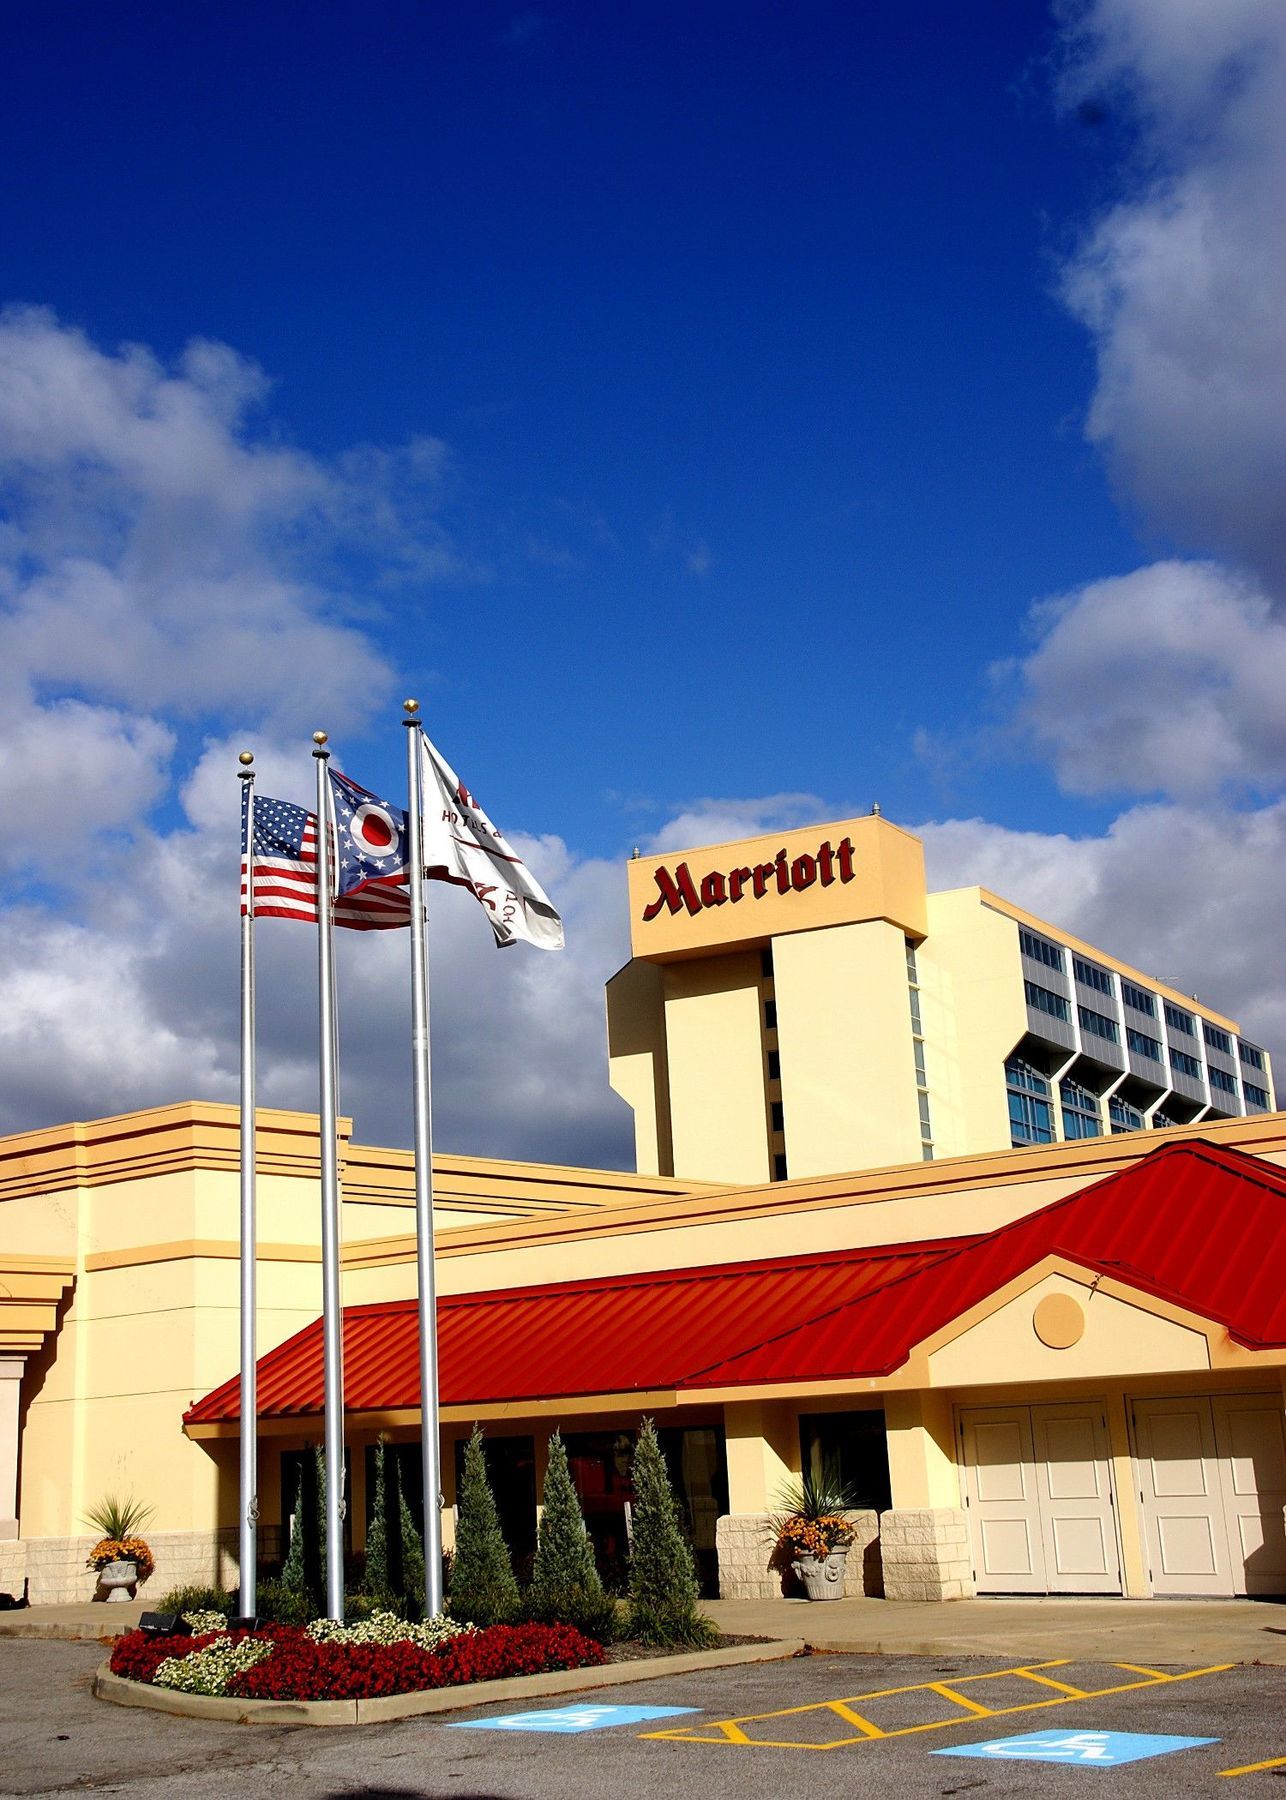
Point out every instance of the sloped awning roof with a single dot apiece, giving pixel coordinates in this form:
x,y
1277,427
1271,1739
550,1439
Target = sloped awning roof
x,y
1195,1225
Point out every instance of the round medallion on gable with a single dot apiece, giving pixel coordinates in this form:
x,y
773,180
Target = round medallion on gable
x,y
1058,1321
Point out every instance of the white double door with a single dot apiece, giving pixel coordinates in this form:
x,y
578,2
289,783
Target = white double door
x,y
1212,1486
1038,1487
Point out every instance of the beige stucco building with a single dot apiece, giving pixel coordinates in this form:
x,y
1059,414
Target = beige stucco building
x,y
1052,1367
801,1005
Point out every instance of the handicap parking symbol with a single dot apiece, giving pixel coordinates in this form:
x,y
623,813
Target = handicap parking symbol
x,y
570,1718
1078,1749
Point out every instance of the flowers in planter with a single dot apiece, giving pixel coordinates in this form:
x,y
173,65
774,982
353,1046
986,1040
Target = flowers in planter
x,y
121,1549
814,1520
120,1522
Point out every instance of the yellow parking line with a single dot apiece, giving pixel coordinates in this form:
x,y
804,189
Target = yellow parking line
x,y
732,1730
1274,1762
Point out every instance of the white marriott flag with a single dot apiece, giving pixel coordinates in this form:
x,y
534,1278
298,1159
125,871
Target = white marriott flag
x,y
461,845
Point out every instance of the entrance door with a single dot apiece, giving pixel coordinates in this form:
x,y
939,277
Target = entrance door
x,y
1250,1436
1212,1479
1039,1490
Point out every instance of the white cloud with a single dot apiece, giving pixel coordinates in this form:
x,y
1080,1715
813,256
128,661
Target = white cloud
x,y
1167,680
1181,282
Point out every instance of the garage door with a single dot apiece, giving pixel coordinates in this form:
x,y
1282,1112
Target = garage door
x,y
1212,1486
1038,1490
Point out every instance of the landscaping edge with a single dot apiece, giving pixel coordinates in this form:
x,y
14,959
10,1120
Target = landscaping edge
x,y
122,1692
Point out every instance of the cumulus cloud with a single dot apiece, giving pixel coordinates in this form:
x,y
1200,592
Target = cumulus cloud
x,y
1167,680
1180,283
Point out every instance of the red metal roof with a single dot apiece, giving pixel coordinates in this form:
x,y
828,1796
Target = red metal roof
x,y
1193,1223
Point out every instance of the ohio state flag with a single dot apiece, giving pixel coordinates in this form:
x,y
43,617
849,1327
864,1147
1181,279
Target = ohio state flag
x,y
462,846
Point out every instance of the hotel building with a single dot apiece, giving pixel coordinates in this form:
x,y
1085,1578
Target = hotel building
x,y
899,1208
801,1005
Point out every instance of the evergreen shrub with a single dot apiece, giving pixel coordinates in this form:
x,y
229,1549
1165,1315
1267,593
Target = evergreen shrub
x,y
483,1588
663,1572
565,1582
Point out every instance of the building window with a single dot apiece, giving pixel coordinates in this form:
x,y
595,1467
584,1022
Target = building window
x,y
1185,1064
1097,1025
917,1048
1142,1044
1220,1079
774,1065
1218,1040
1253,1059
1256,1096
1181,1021
1163,1120
1139,999
778,1116
1092,976
1044,1001
1031,1117
765,963
1081,1117
1041,950
779,1166
1124,1117
770,1015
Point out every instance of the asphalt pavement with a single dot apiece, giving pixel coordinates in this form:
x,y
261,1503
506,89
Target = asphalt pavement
x,y
841,1724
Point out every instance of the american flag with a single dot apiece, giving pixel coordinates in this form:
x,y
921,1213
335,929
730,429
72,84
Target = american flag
x,y
371,893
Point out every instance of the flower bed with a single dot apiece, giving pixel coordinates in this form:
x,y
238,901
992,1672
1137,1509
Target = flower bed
x,y
324,1661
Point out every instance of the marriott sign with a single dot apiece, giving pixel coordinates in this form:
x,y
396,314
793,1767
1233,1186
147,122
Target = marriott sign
x,y
678,889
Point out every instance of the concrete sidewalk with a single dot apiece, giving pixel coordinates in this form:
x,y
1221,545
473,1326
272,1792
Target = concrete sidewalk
x,y
1151,1632
92,1619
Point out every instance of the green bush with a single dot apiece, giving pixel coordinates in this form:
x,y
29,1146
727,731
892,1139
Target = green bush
x,y
394,1549
196,1598
284,1605
663,1572
483,1589
565,1583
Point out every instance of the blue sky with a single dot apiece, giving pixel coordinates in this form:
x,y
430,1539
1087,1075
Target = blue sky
x,y
694,405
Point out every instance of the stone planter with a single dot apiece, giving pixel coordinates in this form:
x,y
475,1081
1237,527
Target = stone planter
x,y
823,1576
119,1578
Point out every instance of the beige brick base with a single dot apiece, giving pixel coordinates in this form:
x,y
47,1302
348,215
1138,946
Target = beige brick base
x,y
55,1567
925,1555
751,1568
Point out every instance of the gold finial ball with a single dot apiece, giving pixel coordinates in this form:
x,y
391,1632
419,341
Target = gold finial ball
x,y
319,737
410,706
246,758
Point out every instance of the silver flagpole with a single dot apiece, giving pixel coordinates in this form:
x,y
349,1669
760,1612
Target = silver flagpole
x,y
327,1123
248,1548
429,1448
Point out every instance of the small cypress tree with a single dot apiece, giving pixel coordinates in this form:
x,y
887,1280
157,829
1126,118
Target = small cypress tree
x,y
564,1578
663,1573
409,1561
378,1585
483,1589
301,1572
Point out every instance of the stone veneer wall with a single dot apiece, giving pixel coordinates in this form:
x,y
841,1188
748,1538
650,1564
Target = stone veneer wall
x,y
926,1555
749,1568
55,1567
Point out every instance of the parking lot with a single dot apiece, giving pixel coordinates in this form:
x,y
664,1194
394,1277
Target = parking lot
x,y
842,1723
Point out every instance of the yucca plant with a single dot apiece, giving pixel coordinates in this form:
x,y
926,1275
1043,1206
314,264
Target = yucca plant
x,y
117,1518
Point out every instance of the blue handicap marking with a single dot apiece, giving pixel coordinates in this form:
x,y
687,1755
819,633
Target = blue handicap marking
x,y
571,1718
1078,1749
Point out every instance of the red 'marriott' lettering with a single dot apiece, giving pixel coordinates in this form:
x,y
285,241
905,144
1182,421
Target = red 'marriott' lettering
x,y
676,892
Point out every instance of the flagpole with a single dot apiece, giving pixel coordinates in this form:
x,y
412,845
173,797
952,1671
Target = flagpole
x,y
430,1458
248,1546
328,1128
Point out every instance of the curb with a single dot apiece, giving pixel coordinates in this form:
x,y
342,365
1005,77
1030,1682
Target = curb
x,y
122,1692
48,1630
